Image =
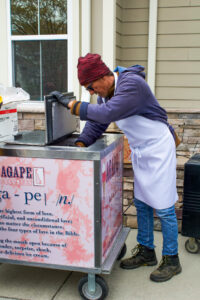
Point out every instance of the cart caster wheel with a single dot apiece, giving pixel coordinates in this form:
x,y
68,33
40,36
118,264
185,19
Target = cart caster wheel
x,y
101,291
191,245
122,253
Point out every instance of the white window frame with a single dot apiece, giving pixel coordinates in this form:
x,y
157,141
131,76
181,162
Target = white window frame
x,y
41,37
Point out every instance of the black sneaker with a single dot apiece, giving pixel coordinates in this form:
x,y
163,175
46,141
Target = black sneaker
x,y
168,267
142,256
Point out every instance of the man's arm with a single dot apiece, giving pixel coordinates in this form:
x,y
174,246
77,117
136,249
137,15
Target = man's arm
x,y
91,132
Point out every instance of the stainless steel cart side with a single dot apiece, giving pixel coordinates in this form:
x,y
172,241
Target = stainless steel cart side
x,y
61,207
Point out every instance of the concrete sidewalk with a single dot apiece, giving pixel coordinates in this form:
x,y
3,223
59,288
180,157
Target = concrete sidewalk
x,y
29,283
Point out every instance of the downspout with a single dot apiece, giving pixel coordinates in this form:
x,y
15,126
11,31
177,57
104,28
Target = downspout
x,y
85,43
153,8
109,33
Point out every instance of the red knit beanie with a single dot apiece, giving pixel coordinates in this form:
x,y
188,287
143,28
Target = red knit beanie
x,y
91,68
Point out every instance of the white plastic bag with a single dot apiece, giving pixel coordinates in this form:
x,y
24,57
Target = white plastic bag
x,y
13,94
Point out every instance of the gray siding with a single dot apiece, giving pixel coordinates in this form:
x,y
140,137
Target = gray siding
x,y
118,31
132,32
178,54
178,47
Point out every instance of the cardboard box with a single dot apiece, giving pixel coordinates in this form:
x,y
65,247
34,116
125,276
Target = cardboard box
x,y
8,123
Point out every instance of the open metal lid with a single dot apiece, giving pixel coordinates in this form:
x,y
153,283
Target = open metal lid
x,y
60,123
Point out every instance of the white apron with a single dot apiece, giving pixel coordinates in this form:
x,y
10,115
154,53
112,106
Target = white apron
x,y
153,158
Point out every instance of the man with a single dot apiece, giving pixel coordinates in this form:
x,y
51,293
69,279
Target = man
x,y
125,98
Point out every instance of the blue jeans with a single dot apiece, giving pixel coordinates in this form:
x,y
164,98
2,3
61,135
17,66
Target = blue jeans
x,y
169,227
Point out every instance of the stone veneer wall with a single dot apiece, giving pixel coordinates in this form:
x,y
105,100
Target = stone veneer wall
x,y
187,126
31,121
31,116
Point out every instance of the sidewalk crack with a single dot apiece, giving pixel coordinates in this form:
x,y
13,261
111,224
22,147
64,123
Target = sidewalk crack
x,y
56,293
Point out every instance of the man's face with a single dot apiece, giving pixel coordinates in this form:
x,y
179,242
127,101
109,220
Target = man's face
x,y
99,87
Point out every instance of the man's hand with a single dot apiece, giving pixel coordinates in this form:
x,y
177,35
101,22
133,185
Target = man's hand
x,y
80,144
64,100
73,105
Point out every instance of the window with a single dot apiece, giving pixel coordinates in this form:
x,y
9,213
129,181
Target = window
x,y
39,43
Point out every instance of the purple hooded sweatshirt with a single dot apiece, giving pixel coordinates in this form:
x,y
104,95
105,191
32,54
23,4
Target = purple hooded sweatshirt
x,y
132,96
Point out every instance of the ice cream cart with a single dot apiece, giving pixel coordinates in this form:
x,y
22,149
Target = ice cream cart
x,y
61,205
